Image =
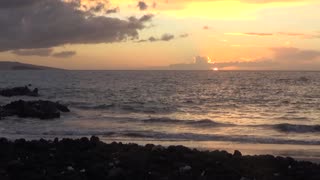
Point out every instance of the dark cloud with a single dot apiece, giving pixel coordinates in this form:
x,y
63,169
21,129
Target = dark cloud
x,y
142,5
43,52
167,37
152,39
184,35
98,7
49,23
164,37
64,54
112,11
16,3
33,52
146,18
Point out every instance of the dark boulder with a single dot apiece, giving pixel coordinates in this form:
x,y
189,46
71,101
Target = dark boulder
x,y
237,154
34,109
19,91
1,113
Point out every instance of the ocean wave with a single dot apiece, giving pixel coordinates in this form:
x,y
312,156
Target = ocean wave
x,y
94,107
296,128
170,121
134,107
292,118
163,136
202,123
212,137
296,81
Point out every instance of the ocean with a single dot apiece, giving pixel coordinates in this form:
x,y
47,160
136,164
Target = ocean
x,y
257,112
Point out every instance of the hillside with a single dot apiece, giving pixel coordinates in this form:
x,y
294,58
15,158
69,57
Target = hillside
x,y
10,65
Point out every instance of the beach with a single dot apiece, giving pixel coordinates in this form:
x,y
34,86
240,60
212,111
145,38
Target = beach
x,y
92,159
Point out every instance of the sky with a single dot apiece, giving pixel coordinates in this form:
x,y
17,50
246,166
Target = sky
x,y
162,34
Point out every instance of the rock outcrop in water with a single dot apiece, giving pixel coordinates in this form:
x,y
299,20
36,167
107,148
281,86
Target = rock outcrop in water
x,y
33,109
19,91
87,159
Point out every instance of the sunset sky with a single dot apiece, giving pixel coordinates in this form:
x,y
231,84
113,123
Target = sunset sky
x,y
163,34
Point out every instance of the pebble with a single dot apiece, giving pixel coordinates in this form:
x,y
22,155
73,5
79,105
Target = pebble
x,y
244,178
185,169
237,153
98,161
70,168
117,162
276,174
158,148
203,173
115,172
111,164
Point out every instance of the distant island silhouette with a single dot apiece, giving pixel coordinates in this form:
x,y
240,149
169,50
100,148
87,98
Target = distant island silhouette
x,y
11,65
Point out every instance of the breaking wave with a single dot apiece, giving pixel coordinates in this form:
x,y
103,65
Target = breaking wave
x,y
203,122
298,128
162,136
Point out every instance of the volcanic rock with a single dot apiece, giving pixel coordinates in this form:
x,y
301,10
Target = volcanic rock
x,y
19,91
33,109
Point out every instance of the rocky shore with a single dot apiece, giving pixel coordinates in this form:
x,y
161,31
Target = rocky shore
x,y
41,109
19,91
85,158
33,109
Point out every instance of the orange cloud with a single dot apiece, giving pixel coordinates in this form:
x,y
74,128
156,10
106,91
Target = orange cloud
x,y
283,58
304,35
249,34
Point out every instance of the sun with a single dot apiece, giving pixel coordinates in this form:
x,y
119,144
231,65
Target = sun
x,y
215,69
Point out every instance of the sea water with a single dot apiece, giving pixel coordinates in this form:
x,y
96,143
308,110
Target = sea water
x,y
255,111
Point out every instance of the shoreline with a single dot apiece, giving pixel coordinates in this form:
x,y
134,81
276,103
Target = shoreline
x,y
299,152
86,158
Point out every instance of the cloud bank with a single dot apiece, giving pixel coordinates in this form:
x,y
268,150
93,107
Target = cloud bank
x,y
200,63
113,10
142,5
64,54
33,24
283,58
43,52
294,34
33,52
164,37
